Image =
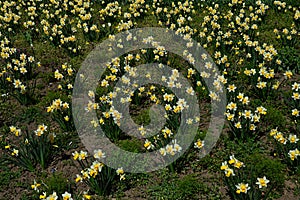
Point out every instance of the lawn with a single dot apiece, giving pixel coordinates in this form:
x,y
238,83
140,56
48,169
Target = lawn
x,y
149,99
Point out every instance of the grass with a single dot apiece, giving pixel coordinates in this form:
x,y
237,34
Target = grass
x,y
189,177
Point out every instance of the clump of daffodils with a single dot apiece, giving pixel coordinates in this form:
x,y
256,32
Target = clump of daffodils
x,y
18,73
35,147
55,196
65,75
238,182
232,162
243,121
288,145
60,111
171,149
94,173
296,101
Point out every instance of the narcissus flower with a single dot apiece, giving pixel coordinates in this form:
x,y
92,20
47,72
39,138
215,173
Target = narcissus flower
x,y
35,186
242,188
224,165
262,182
78,178
17,83
148,145
293,138
261,110
296,96
66,118
82,155
295,86
199,144
295,112
235,162
86,196
273,132
40,130
163,151
53,196
293,154
120,171
43,196
75,155
98,154
288,74
15,152
229,172
122,177
12,129
231,88
67,196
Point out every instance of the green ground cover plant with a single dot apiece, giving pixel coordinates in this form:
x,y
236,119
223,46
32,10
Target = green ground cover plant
x,y
255,46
